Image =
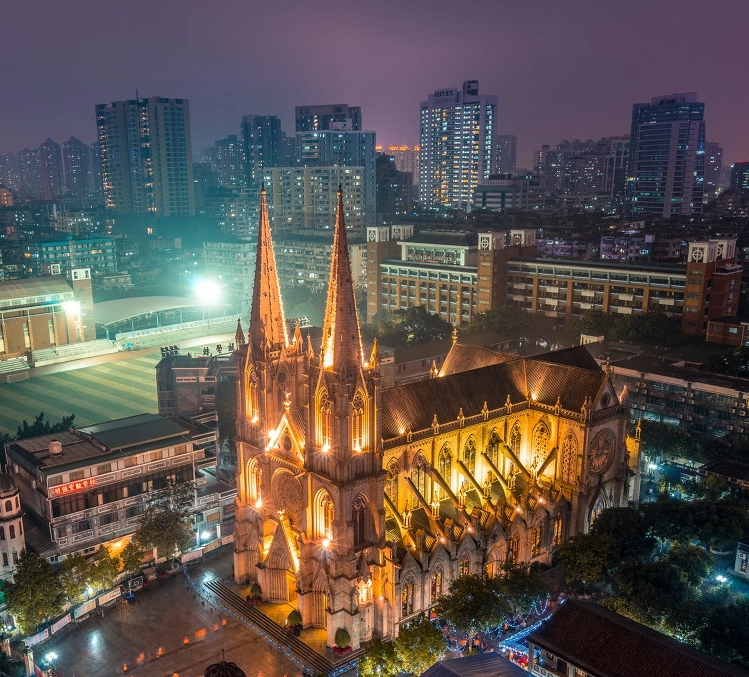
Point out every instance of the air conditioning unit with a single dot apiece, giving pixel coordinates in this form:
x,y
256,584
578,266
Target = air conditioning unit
x,y
733,411
691,401
682,399
741,430
742,413
730,427
689,418
679,415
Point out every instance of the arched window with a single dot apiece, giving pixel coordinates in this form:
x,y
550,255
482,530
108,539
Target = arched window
x,y
12,531
492,449
15,557
418,474
515,438
325,515
435,591
391,482
494,561
556,537
535,541
357,423
254,480
540,443
464,564
446,463
5,559
407,596
359,518
8,506
16,502
252,398
598,507
2,533
513,545
469,455
569,457
326,421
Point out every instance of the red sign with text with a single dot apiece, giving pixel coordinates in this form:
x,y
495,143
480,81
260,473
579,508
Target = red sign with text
x,y
74,487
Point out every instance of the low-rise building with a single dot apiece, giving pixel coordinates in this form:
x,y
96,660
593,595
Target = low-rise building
x,y
88,486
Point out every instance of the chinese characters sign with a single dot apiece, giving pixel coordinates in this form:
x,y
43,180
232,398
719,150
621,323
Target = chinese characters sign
x,y
74,487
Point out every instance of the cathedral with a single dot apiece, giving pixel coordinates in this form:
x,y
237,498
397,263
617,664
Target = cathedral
x,y
362,504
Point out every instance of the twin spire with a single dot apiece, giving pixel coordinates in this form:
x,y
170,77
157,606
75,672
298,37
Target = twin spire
x,y
341,346
267,331
341,339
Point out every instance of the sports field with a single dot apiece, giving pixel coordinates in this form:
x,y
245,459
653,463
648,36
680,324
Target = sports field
x,y
94,394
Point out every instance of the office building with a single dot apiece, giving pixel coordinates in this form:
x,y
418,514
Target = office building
x,y
508,192
325,117
507,153
146,157
740,176
458,145
364,503
667,157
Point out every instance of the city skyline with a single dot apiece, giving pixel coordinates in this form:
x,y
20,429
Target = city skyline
x,y
559,72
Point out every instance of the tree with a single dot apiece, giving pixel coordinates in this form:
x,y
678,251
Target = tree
x,y
419,645
473,604
726,633
34,596
379,660
695,563
627,532
74,577
408,326
585,558
105,568
42,426
591,323
131,557
165,523
521,585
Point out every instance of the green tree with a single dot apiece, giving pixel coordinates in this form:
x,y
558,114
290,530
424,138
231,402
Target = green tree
x,y
627,532
105,568
591,323
726,633
132,557
654,327
661,441
522,585
695,563
585,558
379,660
408,326
74,577
165,523
419,646
473,604
35,595
42,426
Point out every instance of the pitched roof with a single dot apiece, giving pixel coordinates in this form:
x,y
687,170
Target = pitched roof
x,y
609,645
464,358
482,665
414,405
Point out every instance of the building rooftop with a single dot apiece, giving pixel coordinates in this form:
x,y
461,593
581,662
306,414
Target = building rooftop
x,y
34,286
482,665
99,442
606,644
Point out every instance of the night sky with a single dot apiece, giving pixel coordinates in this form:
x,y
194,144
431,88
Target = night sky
x,y
562,69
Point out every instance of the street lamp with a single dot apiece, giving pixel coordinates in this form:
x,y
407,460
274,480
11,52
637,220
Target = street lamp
x,y
207,292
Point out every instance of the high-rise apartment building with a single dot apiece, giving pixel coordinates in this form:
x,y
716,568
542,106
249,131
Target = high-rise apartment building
x,y
507,153
458,145
265,146
146,156
667,156
740,176
76,160
713,169
406,160
339,116
50,159
228,162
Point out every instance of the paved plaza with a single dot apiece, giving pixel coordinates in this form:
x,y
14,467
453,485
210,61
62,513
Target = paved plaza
x,y
168,614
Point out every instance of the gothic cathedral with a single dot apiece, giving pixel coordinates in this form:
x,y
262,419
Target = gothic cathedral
x,y
363,503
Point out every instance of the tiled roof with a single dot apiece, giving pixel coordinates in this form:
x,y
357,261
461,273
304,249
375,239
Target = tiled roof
x,y
482,665
464,358
414,405
609,645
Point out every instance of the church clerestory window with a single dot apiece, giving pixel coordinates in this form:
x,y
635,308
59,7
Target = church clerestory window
x,y
569,456
359,515
446,463
391,482
407,596
469,456
436,584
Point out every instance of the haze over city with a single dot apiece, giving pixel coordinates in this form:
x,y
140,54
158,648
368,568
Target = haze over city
x,y
560,70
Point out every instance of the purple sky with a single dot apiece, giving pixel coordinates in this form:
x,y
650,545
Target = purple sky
x,y
561,68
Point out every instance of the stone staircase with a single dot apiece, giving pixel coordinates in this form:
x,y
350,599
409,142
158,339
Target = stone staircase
x,y
279,636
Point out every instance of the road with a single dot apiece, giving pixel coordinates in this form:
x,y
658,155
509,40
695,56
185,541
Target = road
x,y
167,613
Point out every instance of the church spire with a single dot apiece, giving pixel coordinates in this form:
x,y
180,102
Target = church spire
x,y
267,329
341,347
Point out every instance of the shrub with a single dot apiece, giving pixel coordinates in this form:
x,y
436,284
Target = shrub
x,y
295,618
342,638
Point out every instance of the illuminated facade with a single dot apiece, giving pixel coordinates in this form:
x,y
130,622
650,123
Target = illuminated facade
x,y
458,145
364,503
